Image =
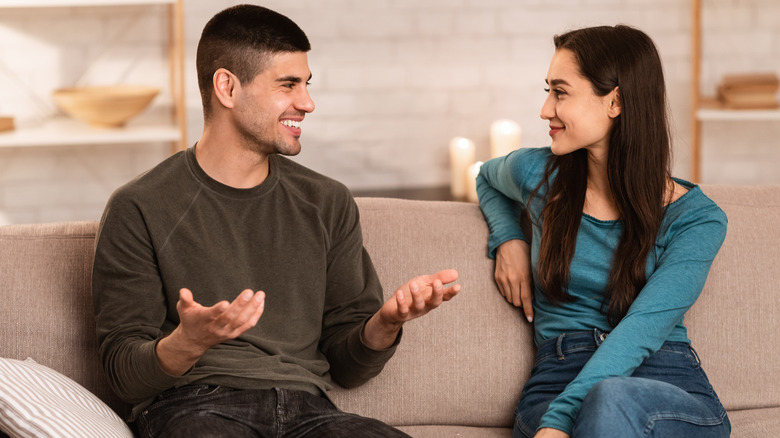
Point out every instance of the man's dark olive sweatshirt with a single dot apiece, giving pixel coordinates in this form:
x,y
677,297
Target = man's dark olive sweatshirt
x,y
296,237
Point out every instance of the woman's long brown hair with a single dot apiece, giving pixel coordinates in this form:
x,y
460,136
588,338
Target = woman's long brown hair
x,y
638,166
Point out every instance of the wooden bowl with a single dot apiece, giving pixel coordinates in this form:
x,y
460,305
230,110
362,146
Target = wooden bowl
x,y
104,106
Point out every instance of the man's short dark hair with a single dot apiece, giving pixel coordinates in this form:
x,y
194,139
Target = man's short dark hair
x,y
241,39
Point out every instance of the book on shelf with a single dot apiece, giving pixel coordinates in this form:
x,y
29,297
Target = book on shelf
x,y
6,123
749,91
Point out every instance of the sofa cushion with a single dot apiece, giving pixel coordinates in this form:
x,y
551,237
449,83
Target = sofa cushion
x,y
733,321
38,401
755,423
46,274
463,364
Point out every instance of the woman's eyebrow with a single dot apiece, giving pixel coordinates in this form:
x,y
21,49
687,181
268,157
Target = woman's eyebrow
x,y
556,82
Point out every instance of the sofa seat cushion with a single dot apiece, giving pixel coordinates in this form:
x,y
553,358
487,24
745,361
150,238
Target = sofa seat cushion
x,y
456,431
38,401
755,423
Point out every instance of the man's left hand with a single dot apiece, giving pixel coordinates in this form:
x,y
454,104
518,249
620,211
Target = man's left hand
x,y
414,299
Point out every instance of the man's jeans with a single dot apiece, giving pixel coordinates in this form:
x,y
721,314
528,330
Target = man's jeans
x,y
667,396
213,411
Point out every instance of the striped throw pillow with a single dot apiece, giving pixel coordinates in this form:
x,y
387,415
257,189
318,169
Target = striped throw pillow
x,y
36,401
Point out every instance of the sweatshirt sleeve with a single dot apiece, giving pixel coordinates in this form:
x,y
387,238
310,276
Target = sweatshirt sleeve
x,y
690,247
130,305
353,295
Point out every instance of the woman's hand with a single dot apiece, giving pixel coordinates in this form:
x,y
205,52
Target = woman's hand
x,y
513,275
548,432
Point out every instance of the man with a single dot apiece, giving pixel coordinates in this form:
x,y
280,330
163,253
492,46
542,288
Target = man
x,y
232,216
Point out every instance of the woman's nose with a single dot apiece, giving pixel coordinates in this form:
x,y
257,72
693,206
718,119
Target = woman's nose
x,y
548,108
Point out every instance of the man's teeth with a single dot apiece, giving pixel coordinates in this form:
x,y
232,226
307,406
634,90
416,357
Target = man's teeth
x,y
291,123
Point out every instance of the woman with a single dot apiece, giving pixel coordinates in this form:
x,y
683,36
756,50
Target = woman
x,y
616,253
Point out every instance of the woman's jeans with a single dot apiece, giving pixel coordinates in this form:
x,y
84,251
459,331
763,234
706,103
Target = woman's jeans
x,y
668,395
195,411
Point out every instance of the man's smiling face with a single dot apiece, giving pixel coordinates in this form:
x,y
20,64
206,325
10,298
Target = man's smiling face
x,y
271,108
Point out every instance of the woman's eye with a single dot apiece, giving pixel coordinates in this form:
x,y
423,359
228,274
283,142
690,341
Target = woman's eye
x,y
557,91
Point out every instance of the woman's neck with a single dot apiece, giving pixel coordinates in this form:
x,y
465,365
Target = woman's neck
x,y
599,202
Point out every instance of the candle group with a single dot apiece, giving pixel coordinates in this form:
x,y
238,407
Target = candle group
x,y
462,151
504,138
471,182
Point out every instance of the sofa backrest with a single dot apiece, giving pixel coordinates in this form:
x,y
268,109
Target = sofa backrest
x,y
45,281
466,362
470,358
733,324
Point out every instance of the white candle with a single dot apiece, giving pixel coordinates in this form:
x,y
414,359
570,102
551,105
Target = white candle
x,y
504,137
471,182
461,156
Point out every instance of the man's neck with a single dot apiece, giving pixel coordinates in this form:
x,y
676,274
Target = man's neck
x,y
230,162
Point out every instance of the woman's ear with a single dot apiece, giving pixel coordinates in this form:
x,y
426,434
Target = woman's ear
x,y
615,106
225,84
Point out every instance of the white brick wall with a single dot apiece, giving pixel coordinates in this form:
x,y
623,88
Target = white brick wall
x,y
394,80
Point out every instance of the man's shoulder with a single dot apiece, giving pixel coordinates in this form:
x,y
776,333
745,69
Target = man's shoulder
x,y
325,198
159,179
309,183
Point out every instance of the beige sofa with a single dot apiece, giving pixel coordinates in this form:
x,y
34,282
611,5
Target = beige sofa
x,y
459,371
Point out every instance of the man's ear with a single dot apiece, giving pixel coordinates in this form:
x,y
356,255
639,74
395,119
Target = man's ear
x,y
225,84
615,107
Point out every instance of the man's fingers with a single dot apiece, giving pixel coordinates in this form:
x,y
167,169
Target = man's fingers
x,y
402,303
418,301
250,314
437,295
451,292
447,275
185,297
235,315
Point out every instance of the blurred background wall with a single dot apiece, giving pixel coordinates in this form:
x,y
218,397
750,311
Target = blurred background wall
x,y
393,82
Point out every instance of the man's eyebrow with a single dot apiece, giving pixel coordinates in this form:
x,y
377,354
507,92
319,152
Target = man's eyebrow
x,y
294,79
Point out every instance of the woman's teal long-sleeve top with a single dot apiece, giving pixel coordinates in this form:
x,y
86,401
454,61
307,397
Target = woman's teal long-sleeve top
x,y
691,234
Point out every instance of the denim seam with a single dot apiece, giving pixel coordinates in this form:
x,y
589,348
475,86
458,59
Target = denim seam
x,y
566,351
523,428
676,416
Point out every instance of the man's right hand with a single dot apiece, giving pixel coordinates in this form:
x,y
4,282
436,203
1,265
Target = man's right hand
x,y
201,328
513,275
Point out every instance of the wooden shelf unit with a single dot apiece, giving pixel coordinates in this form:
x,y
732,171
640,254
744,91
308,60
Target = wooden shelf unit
x,y
65,132
703,109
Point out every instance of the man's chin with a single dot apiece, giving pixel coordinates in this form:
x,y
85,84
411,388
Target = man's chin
x,y
289,150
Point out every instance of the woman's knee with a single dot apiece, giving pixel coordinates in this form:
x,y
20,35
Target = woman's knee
x,y
633,406
612,392
611,405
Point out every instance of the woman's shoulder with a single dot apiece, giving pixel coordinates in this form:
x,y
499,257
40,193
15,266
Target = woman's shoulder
x,y
528,164
533,156
688,197
693,210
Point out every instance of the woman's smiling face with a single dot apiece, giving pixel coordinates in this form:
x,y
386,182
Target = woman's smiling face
x,y
578,117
